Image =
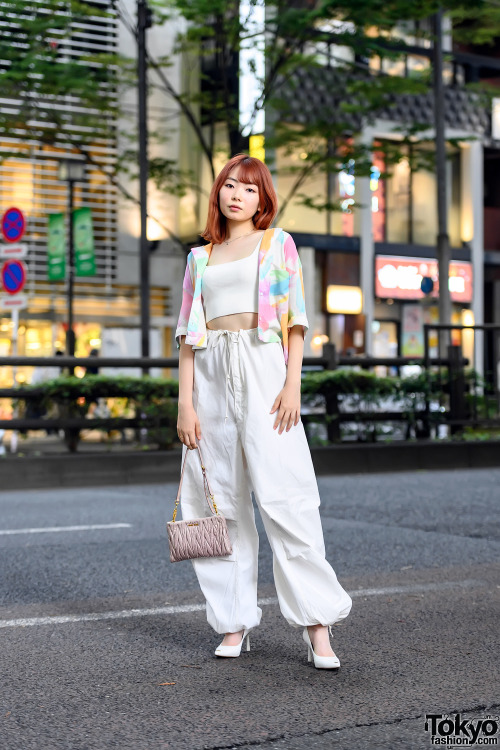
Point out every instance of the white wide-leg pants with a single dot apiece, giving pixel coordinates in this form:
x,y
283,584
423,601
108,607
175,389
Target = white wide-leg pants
x,y
236,380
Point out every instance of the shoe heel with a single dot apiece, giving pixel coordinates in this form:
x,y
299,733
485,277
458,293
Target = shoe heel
x,y
309,654
248,643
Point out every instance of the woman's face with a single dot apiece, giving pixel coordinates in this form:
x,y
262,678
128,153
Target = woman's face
x,y
238,201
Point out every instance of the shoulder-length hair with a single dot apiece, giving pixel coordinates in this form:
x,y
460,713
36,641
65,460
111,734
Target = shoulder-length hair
x,y
251,170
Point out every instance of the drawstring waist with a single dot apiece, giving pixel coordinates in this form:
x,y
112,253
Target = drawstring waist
x,y
214,337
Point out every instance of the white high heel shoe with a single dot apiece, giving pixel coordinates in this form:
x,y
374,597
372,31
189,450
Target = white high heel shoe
x,y
233,650
320,662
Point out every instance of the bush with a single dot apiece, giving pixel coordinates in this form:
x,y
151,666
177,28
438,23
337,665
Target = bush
x,y
69,396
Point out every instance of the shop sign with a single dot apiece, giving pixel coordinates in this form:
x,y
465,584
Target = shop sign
x,y
84,242
401,278
56,248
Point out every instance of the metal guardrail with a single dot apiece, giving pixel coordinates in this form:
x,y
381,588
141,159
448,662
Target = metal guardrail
x,y
329,361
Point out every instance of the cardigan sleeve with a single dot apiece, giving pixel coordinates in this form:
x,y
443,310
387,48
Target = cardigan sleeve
x,y
187,300
296,300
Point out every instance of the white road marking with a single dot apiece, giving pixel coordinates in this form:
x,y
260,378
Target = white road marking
x,y
183,608
52,529
417,588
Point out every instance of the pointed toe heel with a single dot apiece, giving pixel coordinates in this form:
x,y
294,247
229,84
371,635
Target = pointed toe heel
x,y
320,662
233,651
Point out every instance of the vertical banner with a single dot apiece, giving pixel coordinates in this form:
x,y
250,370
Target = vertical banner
x,y
412,343
56,248
84,242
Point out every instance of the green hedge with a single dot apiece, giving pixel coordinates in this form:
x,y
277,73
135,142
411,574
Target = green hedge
x,y
157,397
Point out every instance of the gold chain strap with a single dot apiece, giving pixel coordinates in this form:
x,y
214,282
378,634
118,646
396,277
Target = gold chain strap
x,y
206,487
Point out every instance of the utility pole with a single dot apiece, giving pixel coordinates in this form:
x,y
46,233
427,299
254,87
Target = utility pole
x,y
443,240
143,22
71,171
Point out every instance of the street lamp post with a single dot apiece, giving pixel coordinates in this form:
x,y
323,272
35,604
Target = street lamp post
x,y
443,240
71,171
144,22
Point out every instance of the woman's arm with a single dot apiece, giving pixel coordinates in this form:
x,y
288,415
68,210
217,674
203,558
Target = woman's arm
x,y
295,356
287,402
186,373
188,425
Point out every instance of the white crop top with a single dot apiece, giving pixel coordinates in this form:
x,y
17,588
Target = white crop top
x,y
232,287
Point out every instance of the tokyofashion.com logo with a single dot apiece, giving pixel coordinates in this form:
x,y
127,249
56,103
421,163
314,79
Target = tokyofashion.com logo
x,y
453,731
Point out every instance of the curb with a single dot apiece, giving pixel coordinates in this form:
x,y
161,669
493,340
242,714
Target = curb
x,y
151,467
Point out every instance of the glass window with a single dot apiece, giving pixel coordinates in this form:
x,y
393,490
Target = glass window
x,y
410,197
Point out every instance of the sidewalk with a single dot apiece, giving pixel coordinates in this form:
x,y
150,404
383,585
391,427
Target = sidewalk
x,y
38,443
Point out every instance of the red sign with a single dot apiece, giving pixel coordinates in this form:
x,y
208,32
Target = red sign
x,y
13,276
13,224
400,278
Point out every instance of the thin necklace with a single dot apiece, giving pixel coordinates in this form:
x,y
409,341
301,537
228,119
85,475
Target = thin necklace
x,y
226,242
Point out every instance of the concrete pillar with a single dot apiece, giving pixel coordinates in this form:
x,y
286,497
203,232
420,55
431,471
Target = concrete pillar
x,y
308,260
472,231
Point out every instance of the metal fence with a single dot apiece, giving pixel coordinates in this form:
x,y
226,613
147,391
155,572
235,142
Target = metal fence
x,y
462,400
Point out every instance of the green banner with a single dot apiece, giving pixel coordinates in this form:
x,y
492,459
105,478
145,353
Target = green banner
x,y
56,248
84,242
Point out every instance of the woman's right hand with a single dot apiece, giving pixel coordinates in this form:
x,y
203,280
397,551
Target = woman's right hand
x,y
188,426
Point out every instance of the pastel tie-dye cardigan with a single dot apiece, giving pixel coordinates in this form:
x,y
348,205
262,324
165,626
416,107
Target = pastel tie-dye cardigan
x,y
281,292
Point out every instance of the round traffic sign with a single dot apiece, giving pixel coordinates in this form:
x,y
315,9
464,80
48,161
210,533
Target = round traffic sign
x,y
13,224
13,276
427,285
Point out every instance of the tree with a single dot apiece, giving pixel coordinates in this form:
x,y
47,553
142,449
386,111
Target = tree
x,y
330,39
38,77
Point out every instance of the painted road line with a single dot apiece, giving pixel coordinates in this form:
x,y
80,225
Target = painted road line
x,y
417,588
52,529
174,609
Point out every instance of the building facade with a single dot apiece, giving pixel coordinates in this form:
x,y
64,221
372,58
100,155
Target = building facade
x,y
107,304
373,251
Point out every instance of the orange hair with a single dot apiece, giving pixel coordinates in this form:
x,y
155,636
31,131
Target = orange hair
x,y
252,171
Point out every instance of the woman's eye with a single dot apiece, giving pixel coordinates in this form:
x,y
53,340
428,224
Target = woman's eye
x,y
251,190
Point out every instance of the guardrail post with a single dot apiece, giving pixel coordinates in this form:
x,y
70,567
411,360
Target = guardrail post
x,y
331,398
456,379
330,354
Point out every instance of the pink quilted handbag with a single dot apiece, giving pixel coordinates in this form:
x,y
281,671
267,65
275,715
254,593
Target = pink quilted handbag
x,y
198,537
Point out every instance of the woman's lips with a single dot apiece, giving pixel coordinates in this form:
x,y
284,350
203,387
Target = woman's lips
x,y
234,208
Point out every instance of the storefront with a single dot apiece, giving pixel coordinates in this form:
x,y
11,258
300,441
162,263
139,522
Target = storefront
x,y
106,322
402,308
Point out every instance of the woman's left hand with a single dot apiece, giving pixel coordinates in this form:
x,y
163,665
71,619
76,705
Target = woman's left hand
x,y
287,402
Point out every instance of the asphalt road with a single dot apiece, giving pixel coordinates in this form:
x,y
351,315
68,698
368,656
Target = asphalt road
x,y
104,643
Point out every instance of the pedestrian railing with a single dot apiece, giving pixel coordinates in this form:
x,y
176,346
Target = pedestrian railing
x,y
446,396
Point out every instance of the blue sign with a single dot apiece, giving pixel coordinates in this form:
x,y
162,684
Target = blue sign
x,y
13,276
13,225
427,285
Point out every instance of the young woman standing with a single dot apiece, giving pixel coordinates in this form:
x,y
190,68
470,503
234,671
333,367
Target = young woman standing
x,y
241,338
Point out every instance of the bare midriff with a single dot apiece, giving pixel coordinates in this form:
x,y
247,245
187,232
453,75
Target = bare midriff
x,y
234,322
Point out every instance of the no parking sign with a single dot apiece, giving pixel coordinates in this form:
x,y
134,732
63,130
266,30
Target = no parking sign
x,y
13,272
13,224
13,276
13,279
